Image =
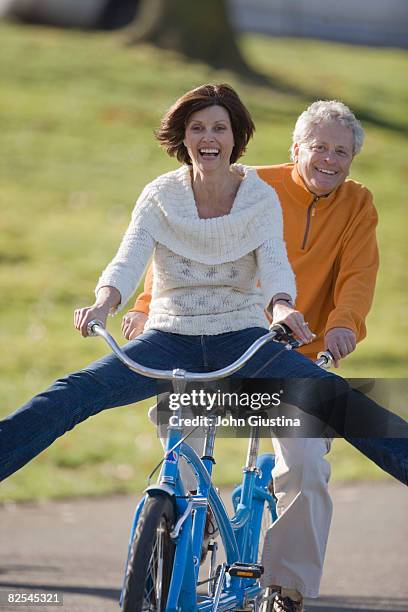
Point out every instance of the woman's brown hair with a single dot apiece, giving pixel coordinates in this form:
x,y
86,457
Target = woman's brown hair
x,y
173,124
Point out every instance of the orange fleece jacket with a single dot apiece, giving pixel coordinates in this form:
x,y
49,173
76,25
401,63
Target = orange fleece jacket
x,y
332,247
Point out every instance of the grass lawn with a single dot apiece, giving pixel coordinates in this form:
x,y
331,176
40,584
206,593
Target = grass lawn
x,y
77,112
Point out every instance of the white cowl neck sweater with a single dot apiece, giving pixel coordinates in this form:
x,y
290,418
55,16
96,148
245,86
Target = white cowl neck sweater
x,y
211,276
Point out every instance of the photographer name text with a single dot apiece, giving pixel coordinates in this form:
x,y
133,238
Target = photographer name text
x,y
231,421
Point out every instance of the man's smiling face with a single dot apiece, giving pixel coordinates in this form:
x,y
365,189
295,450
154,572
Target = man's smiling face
x,y
324,159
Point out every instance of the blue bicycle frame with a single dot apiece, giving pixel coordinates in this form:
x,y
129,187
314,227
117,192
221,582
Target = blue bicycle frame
x,y
240,534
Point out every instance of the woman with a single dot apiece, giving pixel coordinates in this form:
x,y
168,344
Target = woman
x,y
214,228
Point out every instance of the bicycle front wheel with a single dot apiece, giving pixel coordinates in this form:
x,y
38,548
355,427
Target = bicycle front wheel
x,y
151,557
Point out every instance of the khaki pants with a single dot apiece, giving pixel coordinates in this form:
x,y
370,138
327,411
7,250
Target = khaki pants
x,y
295,545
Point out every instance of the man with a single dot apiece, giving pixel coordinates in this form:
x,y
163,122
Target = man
x,y
329,225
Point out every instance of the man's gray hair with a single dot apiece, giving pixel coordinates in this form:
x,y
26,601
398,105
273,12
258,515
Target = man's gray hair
x,y
324,111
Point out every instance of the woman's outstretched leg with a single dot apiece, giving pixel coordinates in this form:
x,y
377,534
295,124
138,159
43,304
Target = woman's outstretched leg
x,y
106,383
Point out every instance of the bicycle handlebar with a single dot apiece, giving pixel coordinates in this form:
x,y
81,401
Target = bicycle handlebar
x,y
95,328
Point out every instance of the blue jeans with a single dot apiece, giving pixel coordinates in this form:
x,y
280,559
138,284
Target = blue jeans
x,y
107,383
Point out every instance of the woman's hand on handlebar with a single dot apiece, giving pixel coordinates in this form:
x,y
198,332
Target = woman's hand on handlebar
x,y
83,316
285,313
108,298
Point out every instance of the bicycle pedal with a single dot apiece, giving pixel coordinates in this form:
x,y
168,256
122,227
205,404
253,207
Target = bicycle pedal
x,y
246,570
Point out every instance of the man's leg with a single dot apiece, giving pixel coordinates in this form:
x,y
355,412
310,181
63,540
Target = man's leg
x,y
295,545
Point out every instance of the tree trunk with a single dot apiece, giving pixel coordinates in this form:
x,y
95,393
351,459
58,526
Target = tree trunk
x,y
199,30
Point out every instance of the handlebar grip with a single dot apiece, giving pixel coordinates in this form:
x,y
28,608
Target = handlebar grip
x,y
325,359
280,328
90,327
283,333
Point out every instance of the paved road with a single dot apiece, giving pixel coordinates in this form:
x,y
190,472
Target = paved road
x,y
78,547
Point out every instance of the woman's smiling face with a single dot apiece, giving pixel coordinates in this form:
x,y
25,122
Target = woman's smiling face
x,y
209,138
324,160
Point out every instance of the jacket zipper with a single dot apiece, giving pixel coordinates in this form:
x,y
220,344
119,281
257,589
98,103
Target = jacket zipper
x,y
310,213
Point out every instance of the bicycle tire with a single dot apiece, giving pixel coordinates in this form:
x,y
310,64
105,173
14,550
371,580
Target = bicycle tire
x,y
151,557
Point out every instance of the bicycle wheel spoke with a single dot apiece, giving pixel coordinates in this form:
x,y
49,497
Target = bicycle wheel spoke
x,y
154,580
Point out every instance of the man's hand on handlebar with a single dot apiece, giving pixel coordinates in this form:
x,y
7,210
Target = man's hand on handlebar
x,y
340,341
133,324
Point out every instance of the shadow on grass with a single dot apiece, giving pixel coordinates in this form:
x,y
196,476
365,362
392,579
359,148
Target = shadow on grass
x,y
278,85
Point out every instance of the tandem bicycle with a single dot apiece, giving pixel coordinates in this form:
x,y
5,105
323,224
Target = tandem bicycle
x,y
167,535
